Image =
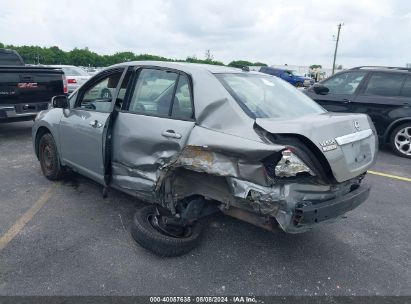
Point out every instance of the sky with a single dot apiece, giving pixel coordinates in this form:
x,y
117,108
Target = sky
x,y
272,31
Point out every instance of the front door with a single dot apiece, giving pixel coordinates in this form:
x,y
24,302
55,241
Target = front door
x,y
342,90
151,129
83,127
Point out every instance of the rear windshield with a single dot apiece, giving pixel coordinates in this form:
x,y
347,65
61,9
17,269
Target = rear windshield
x,y
264,96
74,71
11,59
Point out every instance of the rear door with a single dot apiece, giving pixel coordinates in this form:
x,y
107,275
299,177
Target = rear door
x,y
83,128
152,127
343,89
384,98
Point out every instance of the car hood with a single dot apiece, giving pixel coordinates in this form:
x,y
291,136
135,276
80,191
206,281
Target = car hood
x,y
347,141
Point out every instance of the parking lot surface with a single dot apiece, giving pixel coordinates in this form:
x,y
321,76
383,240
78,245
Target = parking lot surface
x,y
65,239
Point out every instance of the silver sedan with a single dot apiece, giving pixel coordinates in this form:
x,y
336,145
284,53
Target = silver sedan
x,y
193,140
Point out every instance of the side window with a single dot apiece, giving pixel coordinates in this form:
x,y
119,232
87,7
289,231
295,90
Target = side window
x,y
406,89
98,96
384,84
153,92
345,83
182,105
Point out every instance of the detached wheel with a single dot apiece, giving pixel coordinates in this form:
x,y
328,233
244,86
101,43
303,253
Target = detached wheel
x,y
400,140
49,161
148,231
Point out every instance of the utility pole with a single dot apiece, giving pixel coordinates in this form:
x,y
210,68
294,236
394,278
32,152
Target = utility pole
x,y
336,45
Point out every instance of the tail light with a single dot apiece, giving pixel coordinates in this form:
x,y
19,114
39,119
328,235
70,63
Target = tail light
x,y
71,80
65,88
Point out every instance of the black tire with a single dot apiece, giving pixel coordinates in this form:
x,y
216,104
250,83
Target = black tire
x,y
299,84
158,242
394,135
48,156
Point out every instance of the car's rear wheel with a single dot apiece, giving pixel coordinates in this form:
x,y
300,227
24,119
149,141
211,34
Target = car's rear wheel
x,y
48,156
400,140
147,230
299,84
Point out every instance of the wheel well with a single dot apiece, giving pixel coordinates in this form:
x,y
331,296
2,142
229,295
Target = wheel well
x,y
40,132
393,126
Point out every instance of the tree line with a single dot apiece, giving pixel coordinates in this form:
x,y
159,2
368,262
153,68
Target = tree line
x,y
85,57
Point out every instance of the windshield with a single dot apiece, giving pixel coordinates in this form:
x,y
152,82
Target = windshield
x,y
264,96
296,74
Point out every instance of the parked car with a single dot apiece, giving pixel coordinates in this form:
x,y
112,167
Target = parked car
x,y
75,76
384,93
26,90
288,75
197,139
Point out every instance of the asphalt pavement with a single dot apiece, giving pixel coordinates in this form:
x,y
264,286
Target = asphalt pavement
x,y
65,239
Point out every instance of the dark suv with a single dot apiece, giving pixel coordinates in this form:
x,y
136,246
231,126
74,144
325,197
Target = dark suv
x,y
384,93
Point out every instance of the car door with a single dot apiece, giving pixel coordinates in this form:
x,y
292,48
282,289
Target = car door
x,y
381,98
343,88
83,127
151,129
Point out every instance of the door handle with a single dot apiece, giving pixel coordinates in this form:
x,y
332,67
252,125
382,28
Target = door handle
x,y
171,134
95,124
345,100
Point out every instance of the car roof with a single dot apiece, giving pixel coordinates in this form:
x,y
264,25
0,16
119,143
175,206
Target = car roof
x,y
381,69
184,66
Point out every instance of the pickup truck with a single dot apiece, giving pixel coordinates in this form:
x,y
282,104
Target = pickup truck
x,y
26,90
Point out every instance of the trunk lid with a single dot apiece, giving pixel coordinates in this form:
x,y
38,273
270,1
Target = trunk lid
x,y
347,141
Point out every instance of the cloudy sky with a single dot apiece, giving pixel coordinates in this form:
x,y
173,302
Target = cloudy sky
x,y
276,32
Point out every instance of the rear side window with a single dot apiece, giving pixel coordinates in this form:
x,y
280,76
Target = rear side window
x,y
161,93
384,84
406,89
344,83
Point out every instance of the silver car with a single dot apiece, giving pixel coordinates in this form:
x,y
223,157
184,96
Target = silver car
x,y
193,140
75,76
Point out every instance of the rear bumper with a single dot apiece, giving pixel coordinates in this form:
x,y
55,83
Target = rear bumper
x,y
21,112
310,214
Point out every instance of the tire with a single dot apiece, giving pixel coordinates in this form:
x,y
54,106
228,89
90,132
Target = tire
x,y
299,84
48,156
401,135
158,242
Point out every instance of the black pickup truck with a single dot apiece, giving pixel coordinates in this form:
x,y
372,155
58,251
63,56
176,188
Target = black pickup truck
x,y
26,90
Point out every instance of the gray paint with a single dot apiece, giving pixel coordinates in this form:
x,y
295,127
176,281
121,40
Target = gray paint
x,y
218,156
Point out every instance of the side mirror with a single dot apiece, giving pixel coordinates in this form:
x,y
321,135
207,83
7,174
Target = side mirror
x,y
60,101
320,89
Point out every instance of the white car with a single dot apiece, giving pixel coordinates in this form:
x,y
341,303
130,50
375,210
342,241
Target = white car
x,y
75,76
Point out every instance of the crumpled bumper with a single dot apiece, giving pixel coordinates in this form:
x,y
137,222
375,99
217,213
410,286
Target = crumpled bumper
x,y
310,214
298,207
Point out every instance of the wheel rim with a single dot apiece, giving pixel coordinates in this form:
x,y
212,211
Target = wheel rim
x,y
403,141
177,232
47,158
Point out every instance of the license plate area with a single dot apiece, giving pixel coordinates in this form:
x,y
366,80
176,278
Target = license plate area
x,y
358,154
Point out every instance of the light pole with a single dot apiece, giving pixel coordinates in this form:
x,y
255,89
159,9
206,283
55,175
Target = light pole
x,y
336,45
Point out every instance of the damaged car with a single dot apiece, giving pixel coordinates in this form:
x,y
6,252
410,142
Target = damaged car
x,y
192,140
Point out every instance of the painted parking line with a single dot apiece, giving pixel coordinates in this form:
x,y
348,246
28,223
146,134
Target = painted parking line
x,y
406,179
25,218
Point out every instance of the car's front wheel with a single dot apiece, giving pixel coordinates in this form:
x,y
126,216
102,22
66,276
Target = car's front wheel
x,y
148,230
48,156
401,140
299,84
